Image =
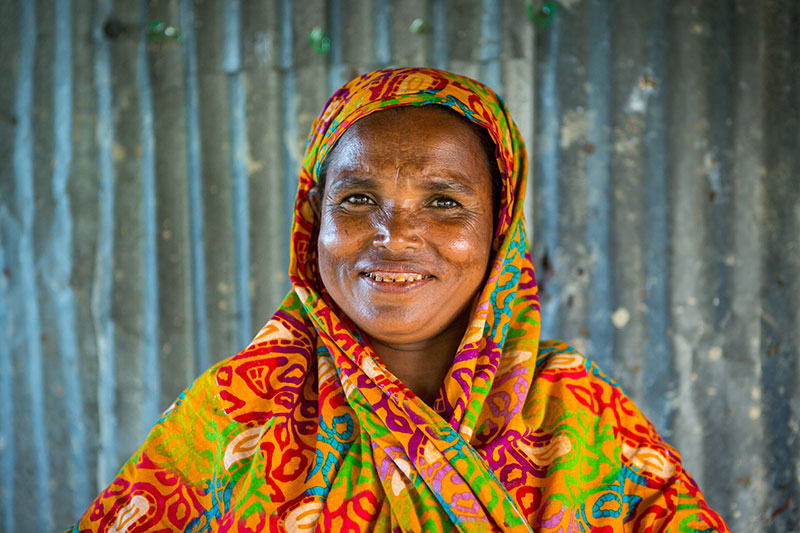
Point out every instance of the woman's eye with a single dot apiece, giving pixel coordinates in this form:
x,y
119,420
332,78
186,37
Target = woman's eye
x,y
358,199
445,202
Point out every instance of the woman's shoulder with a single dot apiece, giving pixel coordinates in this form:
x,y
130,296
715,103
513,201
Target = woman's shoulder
x,y
251,386
212,429
576,392
565,376
269,376
581,419
557,359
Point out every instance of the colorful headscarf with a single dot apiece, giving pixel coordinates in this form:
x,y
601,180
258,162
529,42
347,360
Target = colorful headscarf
x,y
307,430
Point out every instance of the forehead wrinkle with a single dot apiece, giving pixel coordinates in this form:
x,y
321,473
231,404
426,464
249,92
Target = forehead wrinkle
x,y
418,176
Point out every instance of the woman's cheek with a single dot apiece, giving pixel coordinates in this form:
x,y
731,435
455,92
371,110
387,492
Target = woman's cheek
x,y
469,240
336,235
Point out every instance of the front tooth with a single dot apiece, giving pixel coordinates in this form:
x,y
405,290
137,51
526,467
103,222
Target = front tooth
x,y
400,277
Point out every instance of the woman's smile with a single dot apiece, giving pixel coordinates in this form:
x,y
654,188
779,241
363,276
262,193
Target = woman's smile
x,y
394,277
406,220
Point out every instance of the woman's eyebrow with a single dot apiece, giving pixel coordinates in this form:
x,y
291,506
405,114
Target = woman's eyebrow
x,y
445,185
428,184
350,181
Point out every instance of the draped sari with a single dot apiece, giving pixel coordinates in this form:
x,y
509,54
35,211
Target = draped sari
x,y
307,430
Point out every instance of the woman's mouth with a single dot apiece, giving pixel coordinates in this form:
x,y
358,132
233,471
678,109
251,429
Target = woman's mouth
x,y
395,277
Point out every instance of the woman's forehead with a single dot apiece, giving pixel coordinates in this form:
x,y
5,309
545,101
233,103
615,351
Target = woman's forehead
x,y
416,125
393,116
409,135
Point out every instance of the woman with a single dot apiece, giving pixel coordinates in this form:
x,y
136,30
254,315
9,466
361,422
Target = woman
x,y
401,386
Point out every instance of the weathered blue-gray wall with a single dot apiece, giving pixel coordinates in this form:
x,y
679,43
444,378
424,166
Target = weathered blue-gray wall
x,y
146,182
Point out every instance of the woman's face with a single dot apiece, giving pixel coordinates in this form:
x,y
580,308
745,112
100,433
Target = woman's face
x,y
406,223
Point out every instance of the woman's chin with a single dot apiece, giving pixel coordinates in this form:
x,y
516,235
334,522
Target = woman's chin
x,y
398,336
412,333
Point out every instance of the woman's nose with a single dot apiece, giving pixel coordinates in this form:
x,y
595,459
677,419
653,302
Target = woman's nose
x,y
398,230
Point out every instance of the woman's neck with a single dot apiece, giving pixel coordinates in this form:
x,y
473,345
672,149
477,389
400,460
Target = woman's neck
x,y
423,366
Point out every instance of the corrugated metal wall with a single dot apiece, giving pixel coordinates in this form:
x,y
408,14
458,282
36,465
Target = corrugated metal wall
x,y
147,176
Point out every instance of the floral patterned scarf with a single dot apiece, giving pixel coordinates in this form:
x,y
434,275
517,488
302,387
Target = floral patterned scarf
x,y
307,430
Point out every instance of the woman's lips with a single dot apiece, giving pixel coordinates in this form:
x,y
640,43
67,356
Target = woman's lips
x,y
396,283
395,277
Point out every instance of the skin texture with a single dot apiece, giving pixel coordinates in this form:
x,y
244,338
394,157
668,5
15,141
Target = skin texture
x,y
408,194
